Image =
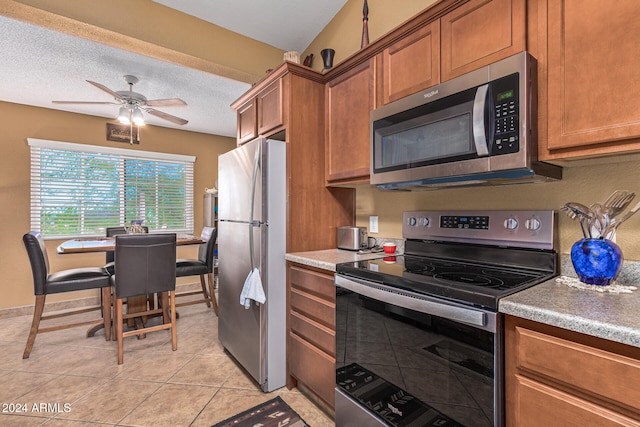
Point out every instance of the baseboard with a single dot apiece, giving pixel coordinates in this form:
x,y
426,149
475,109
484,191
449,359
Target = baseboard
x,y
27,310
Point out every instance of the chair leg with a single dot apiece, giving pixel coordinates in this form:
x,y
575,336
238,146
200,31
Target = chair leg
x,y
106,312
213,295
119,327
35,324
174,332
167,310
204,290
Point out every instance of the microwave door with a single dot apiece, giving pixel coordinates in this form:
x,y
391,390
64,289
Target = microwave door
x,y
480,118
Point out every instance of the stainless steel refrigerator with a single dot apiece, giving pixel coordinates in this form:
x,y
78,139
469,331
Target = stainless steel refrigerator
x,y
252,197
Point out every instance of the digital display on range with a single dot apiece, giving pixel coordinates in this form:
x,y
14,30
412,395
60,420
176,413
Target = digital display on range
x,y
470,222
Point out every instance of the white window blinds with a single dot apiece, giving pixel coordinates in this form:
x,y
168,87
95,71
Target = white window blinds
x,y
79,189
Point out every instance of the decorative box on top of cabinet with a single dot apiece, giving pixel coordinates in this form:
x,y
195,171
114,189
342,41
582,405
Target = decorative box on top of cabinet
x,y
557,377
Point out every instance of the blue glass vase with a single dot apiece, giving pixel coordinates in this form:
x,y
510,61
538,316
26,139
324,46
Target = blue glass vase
x,y
596,261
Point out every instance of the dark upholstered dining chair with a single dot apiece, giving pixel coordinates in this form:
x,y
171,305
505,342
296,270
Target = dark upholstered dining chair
x,y
76,279
111,232
145,264
203,266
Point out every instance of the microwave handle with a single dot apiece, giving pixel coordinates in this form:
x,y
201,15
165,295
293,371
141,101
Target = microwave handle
x,y
479,134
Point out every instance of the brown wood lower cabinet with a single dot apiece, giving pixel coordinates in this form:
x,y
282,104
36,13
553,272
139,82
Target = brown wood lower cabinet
x,y
311,346
556,377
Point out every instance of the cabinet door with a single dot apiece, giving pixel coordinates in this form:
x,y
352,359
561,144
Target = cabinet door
x,y
247,130
558,377
270,114
349,99
412,64
593,94
481,32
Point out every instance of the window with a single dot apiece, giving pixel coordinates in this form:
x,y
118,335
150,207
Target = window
x,y
79,189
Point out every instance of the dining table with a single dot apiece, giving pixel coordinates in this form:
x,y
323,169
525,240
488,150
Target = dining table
x,y
83,245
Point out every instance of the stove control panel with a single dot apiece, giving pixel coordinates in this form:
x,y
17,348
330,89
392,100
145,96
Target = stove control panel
x,y
528,229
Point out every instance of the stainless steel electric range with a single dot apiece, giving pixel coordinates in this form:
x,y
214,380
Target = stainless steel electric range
x,y
419,340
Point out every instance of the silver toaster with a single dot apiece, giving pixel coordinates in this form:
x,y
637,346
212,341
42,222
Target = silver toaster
x,y
352,238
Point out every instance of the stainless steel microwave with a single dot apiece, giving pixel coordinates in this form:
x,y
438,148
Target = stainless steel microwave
x,y
476,129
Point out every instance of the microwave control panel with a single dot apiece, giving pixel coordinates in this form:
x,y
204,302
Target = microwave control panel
x,y
506,116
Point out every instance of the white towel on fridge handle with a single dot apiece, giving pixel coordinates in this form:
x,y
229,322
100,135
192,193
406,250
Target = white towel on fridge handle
x,y
252,290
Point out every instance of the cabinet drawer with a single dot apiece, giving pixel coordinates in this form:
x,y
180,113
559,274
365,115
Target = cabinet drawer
x,y
589,369
540,405
315,308
317,334
313,282
313,367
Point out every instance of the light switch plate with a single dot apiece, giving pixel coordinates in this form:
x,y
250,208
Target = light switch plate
x,y
373,224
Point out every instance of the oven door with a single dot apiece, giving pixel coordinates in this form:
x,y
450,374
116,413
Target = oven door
x,y
404,359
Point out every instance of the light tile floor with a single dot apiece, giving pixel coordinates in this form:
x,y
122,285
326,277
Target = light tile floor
x,y
70,380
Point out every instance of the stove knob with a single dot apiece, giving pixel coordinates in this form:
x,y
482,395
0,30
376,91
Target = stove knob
x,y
511,223
533,224
424,222
412,221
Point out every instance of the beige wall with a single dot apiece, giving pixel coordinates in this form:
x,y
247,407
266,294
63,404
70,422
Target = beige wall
x,y
586,184
21,122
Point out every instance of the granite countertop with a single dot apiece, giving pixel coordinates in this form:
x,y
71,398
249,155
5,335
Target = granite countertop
x,y
612,316
327,259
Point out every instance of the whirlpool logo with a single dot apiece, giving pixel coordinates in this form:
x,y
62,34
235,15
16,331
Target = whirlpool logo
x,y
430,94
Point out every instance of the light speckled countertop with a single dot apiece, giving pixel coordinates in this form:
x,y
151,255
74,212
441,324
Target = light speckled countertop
x,y
615,317
328,258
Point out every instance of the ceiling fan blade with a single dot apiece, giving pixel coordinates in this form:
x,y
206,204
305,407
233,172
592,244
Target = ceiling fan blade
x,y
169,102
169,117
116,95
84,102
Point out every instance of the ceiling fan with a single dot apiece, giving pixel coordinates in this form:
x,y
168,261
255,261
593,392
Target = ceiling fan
x,y
133,103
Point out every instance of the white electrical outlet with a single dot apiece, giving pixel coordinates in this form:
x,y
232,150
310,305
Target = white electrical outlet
x,y
373,224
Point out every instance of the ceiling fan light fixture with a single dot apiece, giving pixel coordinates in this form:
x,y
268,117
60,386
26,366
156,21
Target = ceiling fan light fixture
x,y
138,118
123,116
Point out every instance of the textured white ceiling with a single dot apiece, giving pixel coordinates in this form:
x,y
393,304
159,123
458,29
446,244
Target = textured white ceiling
x,y
38,65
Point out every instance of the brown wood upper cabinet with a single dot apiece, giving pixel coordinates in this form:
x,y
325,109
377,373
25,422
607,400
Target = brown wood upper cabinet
x,y
348,100
262,114
589,96
479,33
247,123
412,64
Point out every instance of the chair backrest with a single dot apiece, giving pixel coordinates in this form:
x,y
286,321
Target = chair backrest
x,y
206,250
37,252
113,231
144,264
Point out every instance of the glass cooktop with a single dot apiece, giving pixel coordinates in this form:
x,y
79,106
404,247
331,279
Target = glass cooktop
x,y
477,284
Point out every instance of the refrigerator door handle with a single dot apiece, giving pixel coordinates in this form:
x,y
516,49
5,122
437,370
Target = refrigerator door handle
x,y
254,178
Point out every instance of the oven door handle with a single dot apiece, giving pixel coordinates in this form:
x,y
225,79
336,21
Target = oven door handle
x,y
421,303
